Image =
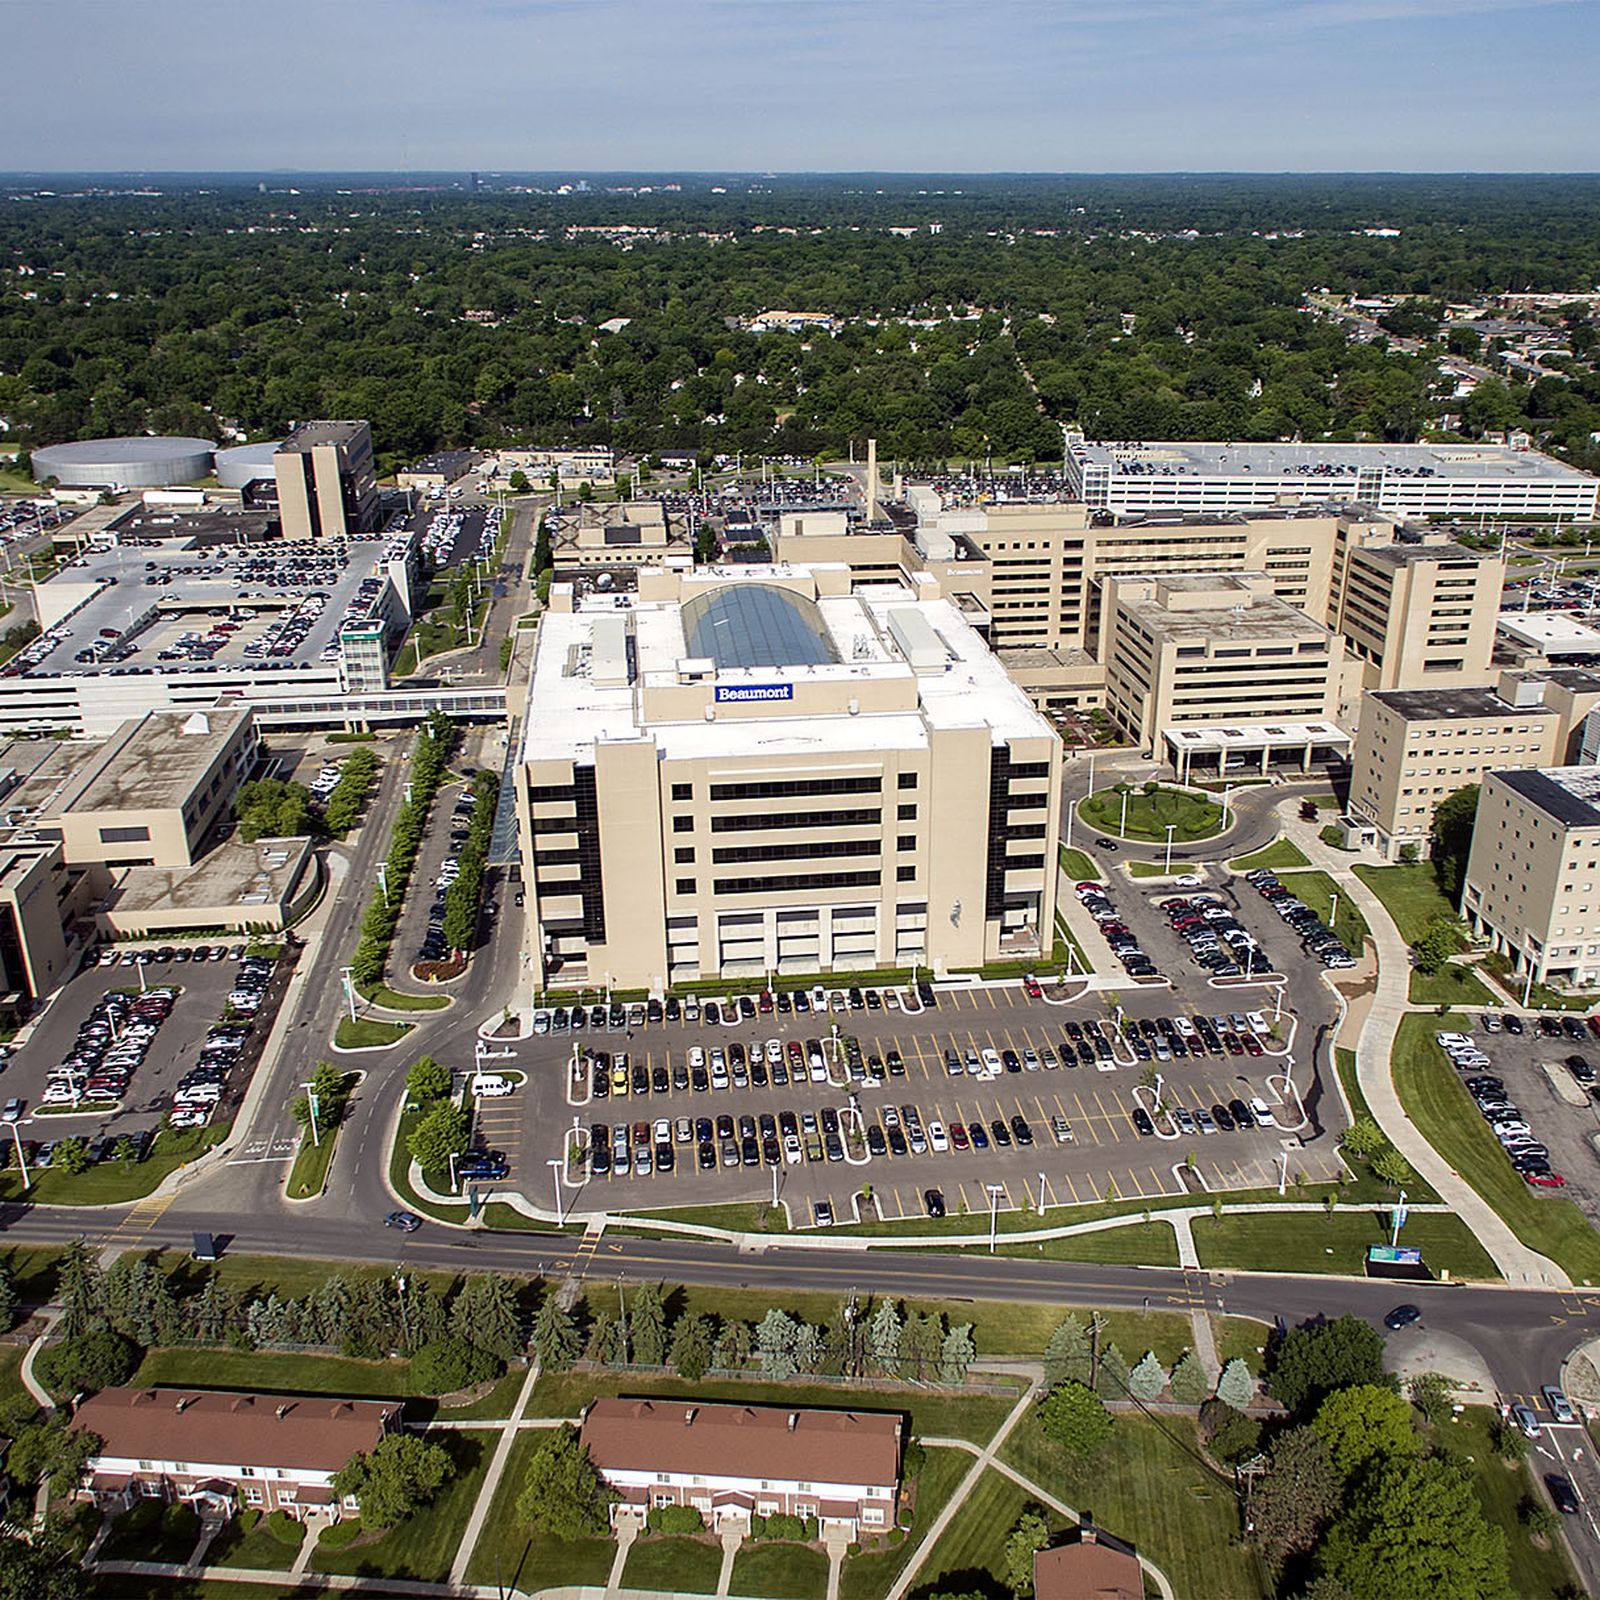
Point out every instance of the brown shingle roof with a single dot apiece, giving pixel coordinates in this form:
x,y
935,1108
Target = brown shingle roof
x,y
773,1442
1087,1571
248,1430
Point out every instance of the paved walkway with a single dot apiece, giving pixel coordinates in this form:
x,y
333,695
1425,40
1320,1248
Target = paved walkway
x,y
491,1479
1374,1054
836,1541
733,1535
627,1530
985,1459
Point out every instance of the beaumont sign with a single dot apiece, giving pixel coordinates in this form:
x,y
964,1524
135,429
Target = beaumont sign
x,y
735,694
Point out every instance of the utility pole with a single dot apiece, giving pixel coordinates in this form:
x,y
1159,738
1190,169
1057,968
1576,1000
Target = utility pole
x,y
1095,1325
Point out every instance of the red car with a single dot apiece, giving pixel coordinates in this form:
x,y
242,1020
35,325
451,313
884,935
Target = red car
x,y
1031,985
1545,1180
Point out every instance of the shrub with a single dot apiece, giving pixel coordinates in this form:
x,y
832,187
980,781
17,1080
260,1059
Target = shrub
x,y
444,1365
98,1360
340,1535
783,1526
675,1519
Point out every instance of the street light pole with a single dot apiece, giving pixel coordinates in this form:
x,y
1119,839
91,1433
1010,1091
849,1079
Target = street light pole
x,y
1171,828
555,1164
452,1172
350,990
1333,913
995,1191
312,1106
16,1135
383,882
1122,827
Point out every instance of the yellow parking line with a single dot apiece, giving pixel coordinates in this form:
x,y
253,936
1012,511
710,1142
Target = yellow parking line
x,y
1088,1118
1138,1187
1116,1133
1072,1188
963,1188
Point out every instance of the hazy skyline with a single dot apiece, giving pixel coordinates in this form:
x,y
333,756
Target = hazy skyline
x,y
801,85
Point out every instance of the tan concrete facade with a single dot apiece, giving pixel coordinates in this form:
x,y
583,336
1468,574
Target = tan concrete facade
x,y
1202,648
327,481
39,898
1415,748
892,801
151,794
636,534
1533,876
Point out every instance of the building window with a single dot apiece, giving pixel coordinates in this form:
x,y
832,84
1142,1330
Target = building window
x,y
252,1494
134,835
906,841
684,856
247,1472
905,874
683,824
685,886
908,780
908,813
683,791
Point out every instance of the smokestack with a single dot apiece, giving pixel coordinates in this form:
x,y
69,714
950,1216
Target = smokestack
x,y
872,480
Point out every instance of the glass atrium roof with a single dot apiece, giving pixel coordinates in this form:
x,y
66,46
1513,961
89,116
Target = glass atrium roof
x,y
757,625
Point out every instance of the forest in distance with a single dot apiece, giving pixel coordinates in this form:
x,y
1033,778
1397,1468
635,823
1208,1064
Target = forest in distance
x,y
996,310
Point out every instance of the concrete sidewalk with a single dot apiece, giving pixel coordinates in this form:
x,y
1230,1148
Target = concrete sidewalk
x,y
1374,1056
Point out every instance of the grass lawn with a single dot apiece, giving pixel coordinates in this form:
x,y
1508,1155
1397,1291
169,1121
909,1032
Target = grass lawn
x,y
495,1404
1140,1244
1535,1574
1410,894
1297,1242
252,1540
1279,855
1146,1485
687,1566
1149,814
870,1575
1452,985
311,1162
1154,869
1078,866
971,1553
939,1413
1243,1337
757,1216
366,1033
152,1531
275,1372
34,1269
1367,1186
400,1176
1436,1100
529,1561
109,1586
780,1571
11,1371
111,1182
424,1545
1317,890
380,994
288,1276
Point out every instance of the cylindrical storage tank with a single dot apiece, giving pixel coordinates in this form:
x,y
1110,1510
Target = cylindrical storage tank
x,y
244,463
138,462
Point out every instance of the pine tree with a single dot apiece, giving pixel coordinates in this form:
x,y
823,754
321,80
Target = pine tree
x,y
484,1314
1188,1381
555,1336
372,1327
1112,1379
82,1293
603,1339
1148,1379
1237,1385
809,1347
919,1345
775,1339
956,1354
1066,1356
883,1337
647,1324
424,1321
9,1299
330,1307
732,1349
212,1312
692,1346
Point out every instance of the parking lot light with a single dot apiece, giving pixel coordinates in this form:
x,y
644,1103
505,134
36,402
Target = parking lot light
x,y
995,1191
1171,829
22,1163
348,974
453,1185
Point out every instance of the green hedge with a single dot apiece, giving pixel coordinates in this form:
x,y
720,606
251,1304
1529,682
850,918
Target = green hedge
x,y
348,796
675,1519
428,766
465,897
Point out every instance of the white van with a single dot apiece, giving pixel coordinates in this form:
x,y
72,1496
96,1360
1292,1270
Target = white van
x,y
490,1085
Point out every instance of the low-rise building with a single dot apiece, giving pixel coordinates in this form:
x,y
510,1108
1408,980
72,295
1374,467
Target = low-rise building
x,y
201,1447
1532,885
596,538
1093,1567
731,1461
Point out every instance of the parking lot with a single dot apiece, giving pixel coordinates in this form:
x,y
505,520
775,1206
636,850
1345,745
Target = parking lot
x,y
992,1085
189,1067
1537,1090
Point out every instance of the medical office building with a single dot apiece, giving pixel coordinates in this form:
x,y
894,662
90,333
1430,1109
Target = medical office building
x,y
745,771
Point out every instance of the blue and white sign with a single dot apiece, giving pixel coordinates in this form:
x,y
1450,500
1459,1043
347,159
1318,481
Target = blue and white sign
x,y
753,693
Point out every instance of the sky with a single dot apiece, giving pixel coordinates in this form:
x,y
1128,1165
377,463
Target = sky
x,y
799,85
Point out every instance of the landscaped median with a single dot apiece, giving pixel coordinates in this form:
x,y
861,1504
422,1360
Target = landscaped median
x,y
1149,812
368,1033
1281,855
113,1182
1437,1101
